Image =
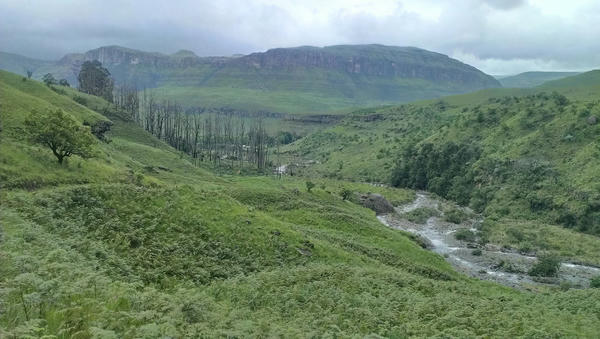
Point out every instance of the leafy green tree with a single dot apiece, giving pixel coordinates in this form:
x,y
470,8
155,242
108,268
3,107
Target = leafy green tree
x,y
49,79
64,82
96,80
61,133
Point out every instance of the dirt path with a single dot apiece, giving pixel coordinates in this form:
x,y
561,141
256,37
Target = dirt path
x,y
487,262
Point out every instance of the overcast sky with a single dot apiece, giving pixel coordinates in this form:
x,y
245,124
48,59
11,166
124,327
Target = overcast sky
x,y
497,36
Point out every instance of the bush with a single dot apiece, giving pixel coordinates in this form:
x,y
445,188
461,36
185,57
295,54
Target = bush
x,y
309,185
547,266
420,215
80,100
595,282
465,234
476,252
58,90
345,193
516,234
455,216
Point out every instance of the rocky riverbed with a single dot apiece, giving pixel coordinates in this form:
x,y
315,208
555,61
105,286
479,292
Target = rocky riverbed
x,y
488,262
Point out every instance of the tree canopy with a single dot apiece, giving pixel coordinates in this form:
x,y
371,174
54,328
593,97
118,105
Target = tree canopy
x,y
61,133
49,79
96,80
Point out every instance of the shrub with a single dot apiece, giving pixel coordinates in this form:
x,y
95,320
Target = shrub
x,y
309,185
515,233
476,252
345,193
546,266
80,100
465,234
420,215
58,90
455,216
595,282
507,266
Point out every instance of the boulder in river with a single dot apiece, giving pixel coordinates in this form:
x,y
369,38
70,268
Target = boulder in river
x,y
376,202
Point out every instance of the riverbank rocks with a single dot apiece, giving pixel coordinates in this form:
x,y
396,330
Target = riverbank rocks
x,y
375,202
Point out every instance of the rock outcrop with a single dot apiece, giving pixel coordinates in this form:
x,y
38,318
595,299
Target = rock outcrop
x,y
376,202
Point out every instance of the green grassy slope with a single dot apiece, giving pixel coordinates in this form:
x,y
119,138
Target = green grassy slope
x,y
540,155
584,86
532,79
139,243
19,64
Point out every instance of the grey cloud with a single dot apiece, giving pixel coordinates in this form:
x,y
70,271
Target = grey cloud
x,y
513,35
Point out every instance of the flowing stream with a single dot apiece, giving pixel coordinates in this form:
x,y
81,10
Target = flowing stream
x,y
485,262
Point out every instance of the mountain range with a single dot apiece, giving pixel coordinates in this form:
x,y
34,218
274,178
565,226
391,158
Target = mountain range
x,y
288,80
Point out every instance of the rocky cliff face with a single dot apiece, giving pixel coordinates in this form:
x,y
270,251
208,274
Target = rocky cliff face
x,y
113,56
362,60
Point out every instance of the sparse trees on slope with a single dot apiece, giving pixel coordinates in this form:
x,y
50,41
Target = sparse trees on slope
x,y
61,133
96,80
49,79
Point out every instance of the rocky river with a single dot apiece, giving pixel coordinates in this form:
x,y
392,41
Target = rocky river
x,y
487,261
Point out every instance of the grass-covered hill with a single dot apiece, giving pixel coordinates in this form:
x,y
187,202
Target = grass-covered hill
x,y
139,243
20,64
532,79
286,80
530,154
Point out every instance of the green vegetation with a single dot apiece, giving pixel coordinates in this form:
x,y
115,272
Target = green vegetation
x,y
595,283
531,236
420,215
465,234
510,154
546,266
456,215
309,186
95,80
345,193
532,79
49,79
476,252
138,242
444,170
61,133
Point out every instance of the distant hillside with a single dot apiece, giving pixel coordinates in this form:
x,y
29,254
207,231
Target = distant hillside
x,y
19,64
288,80
532,79
537,150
